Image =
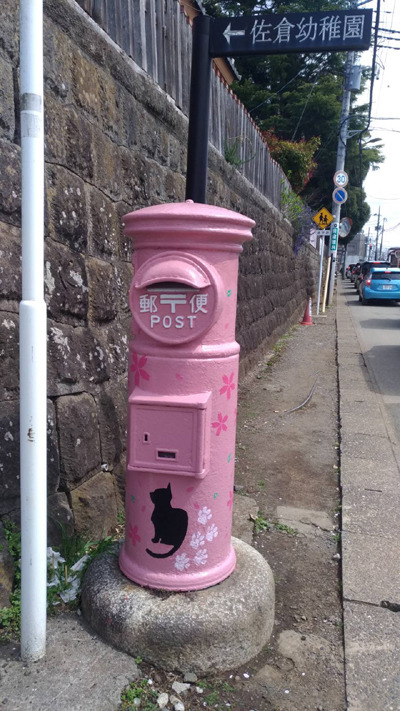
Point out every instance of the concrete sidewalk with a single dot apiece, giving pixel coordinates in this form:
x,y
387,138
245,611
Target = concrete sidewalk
x,y
370,481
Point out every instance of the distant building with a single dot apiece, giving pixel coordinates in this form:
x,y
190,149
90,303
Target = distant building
x,y
357,249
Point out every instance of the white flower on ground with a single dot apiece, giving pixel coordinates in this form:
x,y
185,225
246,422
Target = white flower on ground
x,y
76,567
182,562
212,532
197,540
204,515
201,557
54,558
72,592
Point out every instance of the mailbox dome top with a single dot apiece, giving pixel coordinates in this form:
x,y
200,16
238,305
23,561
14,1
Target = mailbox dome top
x,y
214,227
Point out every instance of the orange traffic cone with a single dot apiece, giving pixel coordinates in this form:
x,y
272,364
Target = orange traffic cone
x,y
307,318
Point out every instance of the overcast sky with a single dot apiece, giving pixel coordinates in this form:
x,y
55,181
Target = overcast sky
x,y
383,186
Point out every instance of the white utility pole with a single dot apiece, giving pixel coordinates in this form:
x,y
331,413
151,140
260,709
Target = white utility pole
x,y
32,331
377,228
340,161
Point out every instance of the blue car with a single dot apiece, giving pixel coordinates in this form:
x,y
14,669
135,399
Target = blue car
x,y
379,284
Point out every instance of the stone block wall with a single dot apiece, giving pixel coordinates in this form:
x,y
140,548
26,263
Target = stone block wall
x,y
114,142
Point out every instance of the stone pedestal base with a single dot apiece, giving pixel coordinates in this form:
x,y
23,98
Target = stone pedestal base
x,y
208,630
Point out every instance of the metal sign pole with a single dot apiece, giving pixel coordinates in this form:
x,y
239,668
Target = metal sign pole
x,y
321,262
199,111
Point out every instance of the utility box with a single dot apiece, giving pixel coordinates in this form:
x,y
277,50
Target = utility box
x,y
183,376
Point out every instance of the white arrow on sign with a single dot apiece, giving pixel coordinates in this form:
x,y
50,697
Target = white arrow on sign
x,y
233,33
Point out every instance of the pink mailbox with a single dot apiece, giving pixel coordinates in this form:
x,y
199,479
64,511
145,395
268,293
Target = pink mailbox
x,y
183,371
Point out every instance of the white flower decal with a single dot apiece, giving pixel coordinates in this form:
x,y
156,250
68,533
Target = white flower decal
x,y
197,540
212,532
182,562
201,557
204,515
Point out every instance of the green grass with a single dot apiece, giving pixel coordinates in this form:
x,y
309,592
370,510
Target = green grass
x,y
10,617
139,690
72,549
212,699
278,349
263,524
286,529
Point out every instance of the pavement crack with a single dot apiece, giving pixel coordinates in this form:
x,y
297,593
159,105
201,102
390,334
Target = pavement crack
x,y
392,606
362,602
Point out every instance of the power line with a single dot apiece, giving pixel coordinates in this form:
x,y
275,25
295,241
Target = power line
x,y
382,198
388,39
383,29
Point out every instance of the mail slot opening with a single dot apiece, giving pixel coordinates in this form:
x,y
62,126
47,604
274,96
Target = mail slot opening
x,y
165,454
171,286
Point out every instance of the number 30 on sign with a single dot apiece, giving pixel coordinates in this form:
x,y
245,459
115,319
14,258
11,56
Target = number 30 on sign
x,y
341,179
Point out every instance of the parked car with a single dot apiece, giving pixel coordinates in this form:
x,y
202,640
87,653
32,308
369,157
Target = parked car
x,y
382,284
348,270
366,267
354,272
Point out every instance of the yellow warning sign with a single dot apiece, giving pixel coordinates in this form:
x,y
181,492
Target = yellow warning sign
x,y
323,218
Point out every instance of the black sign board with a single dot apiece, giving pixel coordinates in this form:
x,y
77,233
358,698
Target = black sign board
x,y
341,30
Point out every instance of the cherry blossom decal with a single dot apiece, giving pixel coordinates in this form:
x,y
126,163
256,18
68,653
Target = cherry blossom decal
x,y
137,368
197,540
230,500
212,532
200,557
182,562
133,534
228,386
204,515
220,425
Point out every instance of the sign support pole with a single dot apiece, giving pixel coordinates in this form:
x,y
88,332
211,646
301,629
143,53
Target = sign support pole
x,y
340,160
199,111
321,262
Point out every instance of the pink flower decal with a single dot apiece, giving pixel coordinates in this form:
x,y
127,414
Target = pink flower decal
x,y
137,367
230,500
220,425
133,534
229,385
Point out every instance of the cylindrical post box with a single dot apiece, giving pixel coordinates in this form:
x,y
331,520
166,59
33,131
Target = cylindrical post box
x,y
183,377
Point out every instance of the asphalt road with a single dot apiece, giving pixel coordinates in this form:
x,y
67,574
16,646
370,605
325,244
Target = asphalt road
x,y
378,329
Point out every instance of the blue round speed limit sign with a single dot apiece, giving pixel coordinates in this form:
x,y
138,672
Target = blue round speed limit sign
x,y
339,196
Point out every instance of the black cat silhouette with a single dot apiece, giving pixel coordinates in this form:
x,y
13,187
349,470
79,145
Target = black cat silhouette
x,y
170,525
